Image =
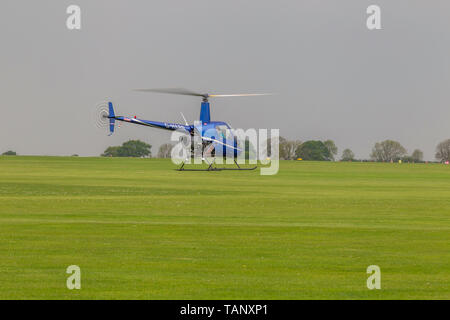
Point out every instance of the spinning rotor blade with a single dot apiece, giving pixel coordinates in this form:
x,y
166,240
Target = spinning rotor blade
x,y
179,91
239,95
186,92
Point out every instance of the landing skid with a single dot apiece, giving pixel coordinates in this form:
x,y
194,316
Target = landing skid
x,y
211,167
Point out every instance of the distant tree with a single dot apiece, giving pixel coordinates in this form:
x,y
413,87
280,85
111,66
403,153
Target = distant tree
x,y
443,151
135,148
417,156
9,153
111,152
75,155
132,148
348,155
387,150
313,150
331,146
165,150
282,148
288,148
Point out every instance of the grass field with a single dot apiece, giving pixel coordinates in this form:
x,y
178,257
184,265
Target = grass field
x,y
140,230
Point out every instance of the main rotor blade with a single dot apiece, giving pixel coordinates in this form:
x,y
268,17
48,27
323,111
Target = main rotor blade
x,y
185,92
179,91
239,95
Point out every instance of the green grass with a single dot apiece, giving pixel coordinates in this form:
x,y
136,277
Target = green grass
x,y
140,230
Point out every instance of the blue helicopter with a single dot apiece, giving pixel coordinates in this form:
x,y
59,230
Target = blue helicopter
x,y
217,136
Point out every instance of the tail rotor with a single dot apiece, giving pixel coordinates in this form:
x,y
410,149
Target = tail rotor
x,y
101,116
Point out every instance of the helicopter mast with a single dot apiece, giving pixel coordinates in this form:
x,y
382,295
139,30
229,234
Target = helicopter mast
x,y
205,113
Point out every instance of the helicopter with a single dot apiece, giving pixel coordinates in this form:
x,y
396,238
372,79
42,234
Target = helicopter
x,y
217,137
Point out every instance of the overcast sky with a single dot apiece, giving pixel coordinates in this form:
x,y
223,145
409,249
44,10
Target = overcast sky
x,y
333,77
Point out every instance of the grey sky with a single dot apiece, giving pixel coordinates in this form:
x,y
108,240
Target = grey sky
x,y
334,78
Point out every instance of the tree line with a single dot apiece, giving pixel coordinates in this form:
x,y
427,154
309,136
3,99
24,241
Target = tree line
x,y
315,150
384,151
